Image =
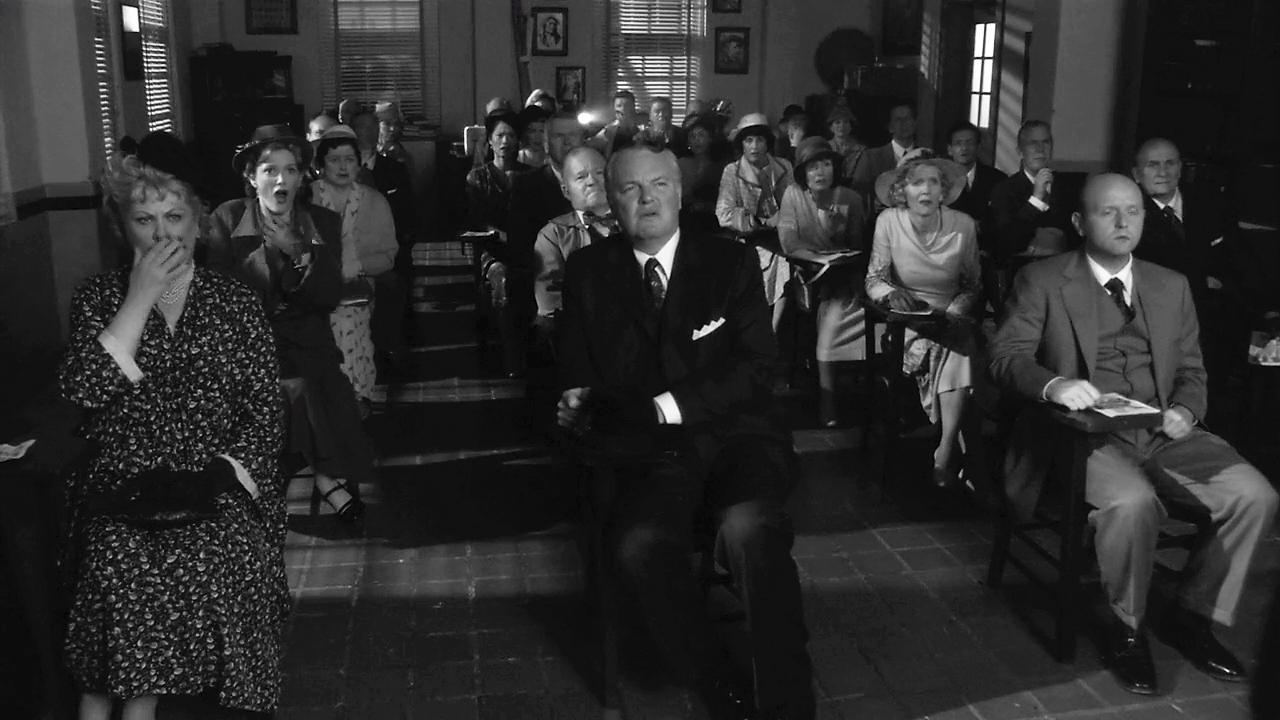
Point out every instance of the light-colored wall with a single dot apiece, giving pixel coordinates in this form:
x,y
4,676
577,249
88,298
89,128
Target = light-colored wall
x,y
792,31
1071,80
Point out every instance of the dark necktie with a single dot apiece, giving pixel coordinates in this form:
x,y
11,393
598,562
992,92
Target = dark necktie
x,y
604,225
1115,286
655,285
1174,222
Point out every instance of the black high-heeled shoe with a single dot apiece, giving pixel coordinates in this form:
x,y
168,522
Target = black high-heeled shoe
x,y
351,510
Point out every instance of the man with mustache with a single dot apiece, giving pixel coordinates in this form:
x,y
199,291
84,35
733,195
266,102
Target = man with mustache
x,y
1098,321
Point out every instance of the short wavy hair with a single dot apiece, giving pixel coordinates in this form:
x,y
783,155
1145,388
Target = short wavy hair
x,y
126,181
898,190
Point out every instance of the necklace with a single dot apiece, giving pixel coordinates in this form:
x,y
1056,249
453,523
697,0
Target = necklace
x,y
178,289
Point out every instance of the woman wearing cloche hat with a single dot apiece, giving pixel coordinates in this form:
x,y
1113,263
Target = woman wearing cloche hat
x,y
821,229
290,253
924,258
751,190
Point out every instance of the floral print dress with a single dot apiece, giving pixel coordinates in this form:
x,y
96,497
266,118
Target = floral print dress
x,y
200,607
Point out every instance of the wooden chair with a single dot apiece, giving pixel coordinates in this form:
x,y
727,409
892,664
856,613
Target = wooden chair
x,y
1076,433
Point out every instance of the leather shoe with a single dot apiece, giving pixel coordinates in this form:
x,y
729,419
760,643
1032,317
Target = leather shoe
x,y
1194,638
724,699
1130,661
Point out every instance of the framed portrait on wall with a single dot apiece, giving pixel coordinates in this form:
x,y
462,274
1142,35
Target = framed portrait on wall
x,y
550,31
733,46
726,6
271,17
571,86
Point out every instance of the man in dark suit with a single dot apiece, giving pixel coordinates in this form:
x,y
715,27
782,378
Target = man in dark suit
x,y
1027,215
962,146
537,196
902,129
1186,231
668,339
1096,321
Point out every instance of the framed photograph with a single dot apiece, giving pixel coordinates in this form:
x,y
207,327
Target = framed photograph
x,y
271,17
733,46
571,86
550,31
726,6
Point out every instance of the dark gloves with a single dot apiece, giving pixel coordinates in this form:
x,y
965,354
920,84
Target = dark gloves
x,y
163,498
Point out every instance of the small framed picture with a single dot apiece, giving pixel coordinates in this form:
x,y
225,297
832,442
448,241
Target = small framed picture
x,y
271,17
550,31
733,45
571,86
726,6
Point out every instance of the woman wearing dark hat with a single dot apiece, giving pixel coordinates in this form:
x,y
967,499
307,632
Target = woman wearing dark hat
x,y
178,519
290,253
842,125
699,175
532,125
751,190
924,258
368,250
792,128
489,185
821,227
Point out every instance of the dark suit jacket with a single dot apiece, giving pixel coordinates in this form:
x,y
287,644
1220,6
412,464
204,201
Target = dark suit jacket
x,y
720,380
976,201
297,299
1203,221
874,161
536,199
1051,330
1014,220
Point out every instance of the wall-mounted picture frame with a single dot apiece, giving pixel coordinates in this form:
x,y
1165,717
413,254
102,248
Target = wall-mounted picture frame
x,y
726,6
271,17
571,86
550,30
733,50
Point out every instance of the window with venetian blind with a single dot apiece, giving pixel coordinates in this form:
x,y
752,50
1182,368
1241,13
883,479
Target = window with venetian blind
x,y
653,48
157,65
376,50
104,70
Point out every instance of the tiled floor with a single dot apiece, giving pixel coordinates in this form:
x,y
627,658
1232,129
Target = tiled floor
x,y
461,595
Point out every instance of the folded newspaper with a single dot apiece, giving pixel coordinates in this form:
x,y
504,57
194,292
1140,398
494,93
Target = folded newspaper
x,y
1116,405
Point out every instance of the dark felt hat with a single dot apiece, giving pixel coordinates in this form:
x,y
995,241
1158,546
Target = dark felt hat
x,y
265,134
163,151
813,149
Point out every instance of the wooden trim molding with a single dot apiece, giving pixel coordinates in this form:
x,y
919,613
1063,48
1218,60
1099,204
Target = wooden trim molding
x,y
55,197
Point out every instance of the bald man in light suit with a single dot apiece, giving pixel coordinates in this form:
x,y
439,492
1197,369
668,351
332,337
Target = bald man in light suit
x,y
1097,321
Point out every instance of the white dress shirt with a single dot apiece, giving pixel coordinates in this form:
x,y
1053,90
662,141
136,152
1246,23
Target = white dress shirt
x,y
668,409
898,150
1036,202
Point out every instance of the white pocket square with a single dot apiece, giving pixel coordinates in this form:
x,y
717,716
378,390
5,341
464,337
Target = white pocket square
x,y
707,329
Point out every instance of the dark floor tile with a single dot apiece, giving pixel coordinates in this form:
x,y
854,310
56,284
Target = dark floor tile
x,y
1212,708
877,563
444,680
454,709
927,558
882,707
1066,697
427,649
504,677
905,537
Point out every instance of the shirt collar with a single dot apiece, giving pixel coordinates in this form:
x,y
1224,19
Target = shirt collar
x,y
666,256
898,150
1103,277
972,174
1028,175
1175,203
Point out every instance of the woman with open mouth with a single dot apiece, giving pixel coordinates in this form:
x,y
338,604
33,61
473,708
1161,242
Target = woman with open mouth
x,y
924,259
290,254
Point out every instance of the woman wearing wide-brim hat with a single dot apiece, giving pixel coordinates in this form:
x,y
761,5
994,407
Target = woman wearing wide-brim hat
x,y
924,257
290,253
821,229
751,191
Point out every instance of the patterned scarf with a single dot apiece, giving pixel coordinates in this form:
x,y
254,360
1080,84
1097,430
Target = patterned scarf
x,y
324,196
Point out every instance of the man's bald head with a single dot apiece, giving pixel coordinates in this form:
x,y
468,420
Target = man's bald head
x,y
1157,167
1110,218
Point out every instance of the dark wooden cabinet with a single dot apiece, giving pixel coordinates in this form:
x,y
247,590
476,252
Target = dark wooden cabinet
x,y
231,94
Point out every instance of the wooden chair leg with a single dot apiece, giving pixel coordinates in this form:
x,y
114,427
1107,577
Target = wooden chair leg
x,y
1072,534
1000,549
